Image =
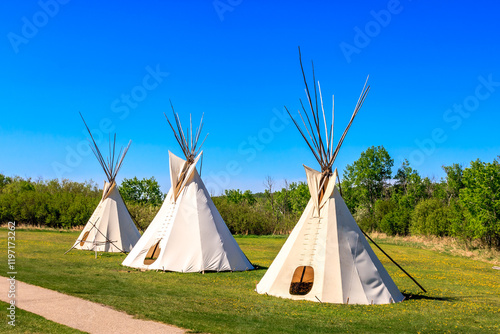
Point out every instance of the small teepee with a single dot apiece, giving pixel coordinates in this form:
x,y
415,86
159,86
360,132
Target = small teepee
x,y
188,234
326,258
110,228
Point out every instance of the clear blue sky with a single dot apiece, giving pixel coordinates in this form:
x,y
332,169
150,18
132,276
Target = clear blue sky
x,y
434,71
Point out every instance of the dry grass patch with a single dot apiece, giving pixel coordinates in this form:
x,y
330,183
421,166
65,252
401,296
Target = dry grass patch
x,y
445,245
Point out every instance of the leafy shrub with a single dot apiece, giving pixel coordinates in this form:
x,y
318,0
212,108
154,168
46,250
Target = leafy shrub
x,y
364,219
51,203
430,217
242,218
382,208
142,214
145,191
396,222
480,201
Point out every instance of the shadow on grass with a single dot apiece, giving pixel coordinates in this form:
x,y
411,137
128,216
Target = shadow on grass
x,y
411,296
207,272
257,267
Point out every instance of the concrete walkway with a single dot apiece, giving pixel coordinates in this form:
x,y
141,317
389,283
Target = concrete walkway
x,y
79,313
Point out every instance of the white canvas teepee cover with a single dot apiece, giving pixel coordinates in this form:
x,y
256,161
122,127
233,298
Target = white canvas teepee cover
x,y
188,234
110,228
327,254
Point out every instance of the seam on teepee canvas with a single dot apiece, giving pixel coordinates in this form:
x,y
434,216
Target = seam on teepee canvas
x,y
354,267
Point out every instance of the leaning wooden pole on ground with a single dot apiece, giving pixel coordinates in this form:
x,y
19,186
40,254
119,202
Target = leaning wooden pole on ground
x,y
390,258
380,248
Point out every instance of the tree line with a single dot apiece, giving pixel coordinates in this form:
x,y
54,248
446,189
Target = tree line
x,y
50,203
464,204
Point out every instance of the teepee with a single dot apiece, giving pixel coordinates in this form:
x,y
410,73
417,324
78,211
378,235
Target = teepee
x,y
326,258
110,228
188,234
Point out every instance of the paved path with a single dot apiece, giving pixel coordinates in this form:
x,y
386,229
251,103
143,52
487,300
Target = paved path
x,y
79,313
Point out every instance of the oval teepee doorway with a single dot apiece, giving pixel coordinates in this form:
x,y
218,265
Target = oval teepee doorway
x,y
302,281
152,254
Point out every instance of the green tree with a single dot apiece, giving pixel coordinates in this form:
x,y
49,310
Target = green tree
x,y
52,203
397,220
299,196
382,208
243,214
249,198
459,226
430,217
438,190
234,195
480,199
4,180
141,191
367,178
410,184
237,197
351,194
454,183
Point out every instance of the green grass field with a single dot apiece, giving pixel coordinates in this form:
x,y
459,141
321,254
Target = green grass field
x,y
463,295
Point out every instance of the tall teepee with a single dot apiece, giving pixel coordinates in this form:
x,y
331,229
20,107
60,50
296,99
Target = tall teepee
x,y
326,258
110,228
188,234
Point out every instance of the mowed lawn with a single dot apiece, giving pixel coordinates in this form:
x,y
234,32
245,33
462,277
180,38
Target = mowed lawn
x,y
463,295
